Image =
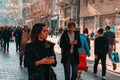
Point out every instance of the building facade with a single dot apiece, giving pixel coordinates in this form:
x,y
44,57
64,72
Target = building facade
x,y
8,12
40,11
54,15
68,12
95,14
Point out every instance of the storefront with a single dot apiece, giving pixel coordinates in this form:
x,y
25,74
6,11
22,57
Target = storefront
x,y
88,22
54,22
108,20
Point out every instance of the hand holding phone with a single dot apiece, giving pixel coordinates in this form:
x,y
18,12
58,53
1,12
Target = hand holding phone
x,y
74,41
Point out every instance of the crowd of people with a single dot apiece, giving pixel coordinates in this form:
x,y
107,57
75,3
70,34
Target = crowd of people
x,y
21,35
39,55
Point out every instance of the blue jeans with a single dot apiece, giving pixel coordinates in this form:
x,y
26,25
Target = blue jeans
x,y
67,69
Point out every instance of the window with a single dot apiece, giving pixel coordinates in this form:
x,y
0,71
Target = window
x,y
101,1
86,2
93,1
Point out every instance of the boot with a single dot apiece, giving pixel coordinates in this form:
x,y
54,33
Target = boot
x,y
114,66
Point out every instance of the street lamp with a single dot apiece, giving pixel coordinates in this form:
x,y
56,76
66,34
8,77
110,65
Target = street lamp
x,y
78,11
96,21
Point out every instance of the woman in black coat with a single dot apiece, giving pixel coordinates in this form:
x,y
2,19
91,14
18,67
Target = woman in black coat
x,y
69,44
39,54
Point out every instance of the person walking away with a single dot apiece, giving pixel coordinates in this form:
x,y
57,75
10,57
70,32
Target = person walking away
x,y
18,36
84,50
112,43
100,50
24,40
69,43
1,38
85,32
39,54
6,38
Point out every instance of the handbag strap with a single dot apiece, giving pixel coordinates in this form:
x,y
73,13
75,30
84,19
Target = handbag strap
x,y
38,58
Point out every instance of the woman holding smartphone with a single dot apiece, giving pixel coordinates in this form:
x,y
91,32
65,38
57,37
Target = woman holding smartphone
x,y
39,54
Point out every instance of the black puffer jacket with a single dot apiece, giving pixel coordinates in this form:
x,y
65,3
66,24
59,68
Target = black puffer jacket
x,y
34,52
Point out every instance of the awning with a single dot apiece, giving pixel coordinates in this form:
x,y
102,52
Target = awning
x,y
54,18
67,19
29,20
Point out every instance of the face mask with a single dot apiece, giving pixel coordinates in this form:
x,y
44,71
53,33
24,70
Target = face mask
x,y
85,34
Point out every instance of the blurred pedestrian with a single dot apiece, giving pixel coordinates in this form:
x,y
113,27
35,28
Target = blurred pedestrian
x,y
18,36
24,40
39,54
6,38
112,43
100,50
69,43
83,52
86,34
1,38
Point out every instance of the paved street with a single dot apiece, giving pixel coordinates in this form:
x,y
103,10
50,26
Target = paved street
x,y
111,75
9,66
10,70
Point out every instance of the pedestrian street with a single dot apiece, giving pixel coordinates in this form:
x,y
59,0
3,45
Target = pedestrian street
x,y
10,69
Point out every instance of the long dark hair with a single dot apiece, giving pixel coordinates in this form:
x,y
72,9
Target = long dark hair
x,y
85,31
37,28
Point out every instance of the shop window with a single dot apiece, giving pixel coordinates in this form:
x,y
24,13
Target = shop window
x,y
86,2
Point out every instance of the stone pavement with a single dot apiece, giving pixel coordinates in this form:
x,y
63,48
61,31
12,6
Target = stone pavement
x,y
9,66
10,70
111,75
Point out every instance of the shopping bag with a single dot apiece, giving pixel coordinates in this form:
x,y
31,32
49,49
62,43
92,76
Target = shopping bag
x,y
115,57
82,62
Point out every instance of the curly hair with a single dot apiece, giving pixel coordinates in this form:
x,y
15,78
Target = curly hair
x,y
37,28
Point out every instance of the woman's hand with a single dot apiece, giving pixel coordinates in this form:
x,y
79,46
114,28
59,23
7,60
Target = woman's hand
x,y
51,60
96,57
46,60
73,42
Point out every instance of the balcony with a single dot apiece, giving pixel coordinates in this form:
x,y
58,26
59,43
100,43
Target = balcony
x,y
63,2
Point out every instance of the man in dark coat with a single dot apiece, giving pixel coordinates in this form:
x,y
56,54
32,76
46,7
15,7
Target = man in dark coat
x,y
69,44
18,36
100,50
6,37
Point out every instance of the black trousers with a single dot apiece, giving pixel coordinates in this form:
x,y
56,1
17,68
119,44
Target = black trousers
x,y
6,44
17,45
103,62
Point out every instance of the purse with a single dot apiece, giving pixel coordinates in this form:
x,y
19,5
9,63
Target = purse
x,y
115,57
82,62
52,74
37,74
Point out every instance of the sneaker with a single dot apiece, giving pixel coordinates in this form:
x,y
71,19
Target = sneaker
x,y
7,51
20,64
94,74
86,69
16,50
114,66
103,78
79,75
4,51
